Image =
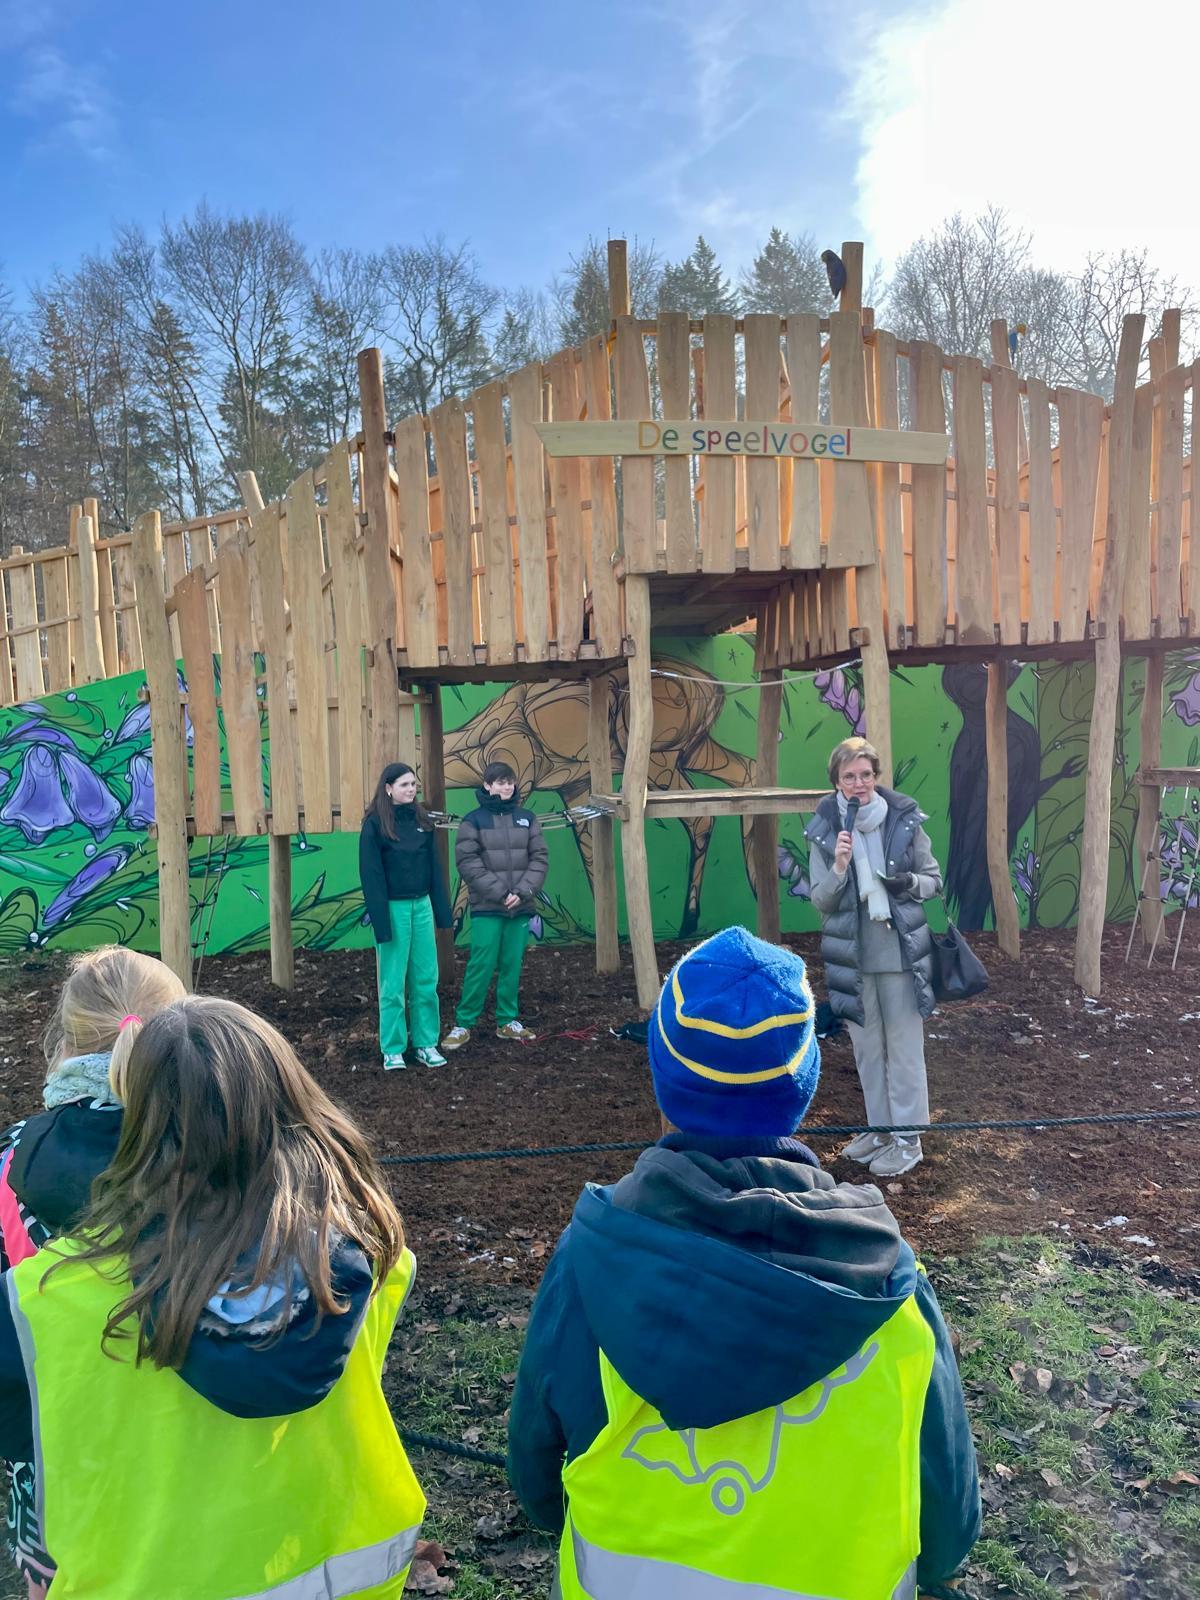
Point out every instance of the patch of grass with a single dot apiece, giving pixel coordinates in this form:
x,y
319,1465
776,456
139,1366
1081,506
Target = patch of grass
x,y
1009,1570
458,1375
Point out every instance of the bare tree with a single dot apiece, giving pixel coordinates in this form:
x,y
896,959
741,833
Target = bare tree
x,y
527,331
342,315
439,311
949,285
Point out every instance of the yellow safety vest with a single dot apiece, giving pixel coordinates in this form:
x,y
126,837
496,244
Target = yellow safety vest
x,y
817,1497
147,1489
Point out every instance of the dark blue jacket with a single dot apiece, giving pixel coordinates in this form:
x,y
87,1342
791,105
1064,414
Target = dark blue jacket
x,y
721,1277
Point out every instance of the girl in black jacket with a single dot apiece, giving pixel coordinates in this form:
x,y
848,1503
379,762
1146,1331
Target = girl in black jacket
x,y
406,896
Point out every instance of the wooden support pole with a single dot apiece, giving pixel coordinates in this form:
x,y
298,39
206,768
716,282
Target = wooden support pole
x,y
382,684
850,298
764,830
618,279
283,961
1004,904
634,784
89,602
433,792
1149,909
1130,411
166,738
604,857
251,494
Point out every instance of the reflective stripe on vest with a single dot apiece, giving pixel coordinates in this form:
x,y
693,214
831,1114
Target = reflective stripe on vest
x,y
606,1576
818,1496
320,1504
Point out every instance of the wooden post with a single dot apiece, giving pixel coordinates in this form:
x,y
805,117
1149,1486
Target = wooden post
x,y
251,494
1149,909
618,279
106,598
283,963
433,792
764,830
1004,905
166,737
382,685
1128,411
604,858
850,298
89,602
1002,357
633,789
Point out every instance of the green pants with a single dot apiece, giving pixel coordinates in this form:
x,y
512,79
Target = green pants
x,y
408,979
497,946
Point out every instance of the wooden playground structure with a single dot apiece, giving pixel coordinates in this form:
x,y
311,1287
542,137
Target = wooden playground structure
x,y
845,492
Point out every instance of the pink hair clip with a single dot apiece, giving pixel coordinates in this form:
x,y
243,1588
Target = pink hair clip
x,y
125,1021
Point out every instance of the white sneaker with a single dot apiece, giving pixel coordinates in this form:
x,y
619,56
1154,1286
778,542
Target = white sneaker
x,y
901,1156
394,1062
517,1031
866,1147
456,1038
432,1057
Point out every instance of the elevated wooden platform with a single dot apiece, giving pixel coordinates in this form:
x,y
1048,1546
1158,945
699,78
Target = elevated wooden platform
x,y
748,802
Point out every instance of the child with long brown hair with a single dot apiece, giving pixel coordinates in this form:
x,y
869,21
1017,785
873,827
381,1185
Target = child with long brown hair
x,y
215,1331
49,1161
404,888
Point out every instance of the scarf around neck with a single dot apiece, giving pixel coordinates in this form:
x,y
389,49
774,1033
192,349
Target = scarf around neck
x,y
868,855
80,1078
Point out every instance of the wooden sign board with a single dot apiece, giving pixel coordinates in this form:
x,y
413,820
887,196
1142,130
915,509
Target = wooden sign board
x,y
789,441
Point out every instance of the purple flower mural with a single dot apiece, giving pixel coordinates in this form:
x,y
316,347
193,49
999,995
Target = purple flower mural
x,y
55,789
1186,703
1025,870
134,725
139,813
794,873
87,879
840,693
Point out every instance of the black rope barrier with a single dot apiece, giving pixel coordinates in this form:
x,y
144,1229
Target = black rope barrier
x,y
820,1131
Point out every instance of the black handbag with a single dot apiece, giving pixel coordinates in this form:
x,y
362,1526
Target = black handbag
x,y
958,973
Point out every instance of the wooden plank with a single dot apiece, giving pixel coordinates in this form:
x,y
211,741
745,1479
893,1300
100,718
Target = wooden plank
x,y
26,646
195,640
764,535
91,508
166,735
605,590
1043,524
852,531
639,523
973,564
1169,494
499,604
604,867
890,533
1136,606
754,438
835,609
341,531
1080,422
1002,358
618,279
718,511
308,653
1006,407
634,784
448,423
175,568
433,789
1193,577
283,960
928,498
58,642
529,488
129,639
268,533
8,687
239,699
108,613
1004,904
412,524
378,537
89,604
673,350
804,372
1147,870
765,827
566,478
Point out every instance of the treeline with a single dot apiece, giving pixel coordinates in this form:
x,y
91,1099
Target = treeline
x,y
151,375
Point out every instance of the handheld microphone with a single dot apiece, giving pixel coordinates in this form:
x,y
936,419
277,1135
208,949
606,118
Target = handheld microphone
x,y
852,807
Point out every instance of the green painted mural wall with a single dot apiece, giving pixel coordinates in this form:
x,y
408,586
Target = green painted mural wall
x,y
76,793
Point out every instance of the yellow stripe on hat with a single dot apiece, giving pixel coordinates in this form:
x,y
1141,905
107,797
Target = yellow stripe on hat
x,y
732,1077
785,1020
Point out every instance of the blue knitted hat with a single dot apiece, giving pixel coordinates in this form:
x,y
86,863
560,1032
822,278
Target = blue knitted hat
x,y
733,1044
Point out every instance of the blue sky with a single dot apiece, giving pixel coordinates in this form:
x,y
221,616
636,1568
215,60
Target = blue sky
x,y
524,125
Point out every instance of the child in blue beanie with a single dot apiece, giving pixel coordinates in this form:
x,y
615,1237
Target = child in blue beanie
x,y
735,1370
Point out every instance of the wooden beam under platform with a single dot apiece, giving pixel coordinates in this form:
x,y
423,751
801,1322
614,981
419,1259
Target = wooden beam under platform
x,y
714,802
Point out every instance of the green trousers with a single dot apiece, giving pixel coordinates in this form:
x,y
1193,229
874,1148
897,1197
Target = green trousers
x,y
497,947
408,979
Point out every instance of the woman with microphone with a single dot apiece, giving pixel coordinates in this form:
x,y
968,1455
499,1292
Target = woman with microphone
x,y
871,866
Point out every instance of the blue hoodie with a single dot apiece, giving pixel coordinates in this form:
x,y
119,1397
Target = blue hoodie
x,y
745,1274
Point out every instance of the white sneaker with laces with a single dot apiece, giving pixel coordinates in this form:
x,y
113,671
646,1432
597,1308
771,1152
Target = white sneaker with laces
x,y
431,1057
516,1030
394,1063
456,1038
901,1156
866,1147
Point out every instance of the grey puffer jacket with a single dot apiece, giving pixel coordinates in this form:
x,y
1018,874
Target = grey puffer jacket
x,y
905,849
500,851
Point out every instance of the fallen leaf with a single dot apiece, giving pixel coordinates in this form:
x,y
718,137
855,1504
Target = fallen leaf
x,y
1050,1479
424,1578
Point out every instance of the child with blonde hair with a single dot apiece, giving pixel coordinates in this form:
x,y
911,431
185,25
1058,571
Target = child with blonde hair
x,y
220,1318
49,1161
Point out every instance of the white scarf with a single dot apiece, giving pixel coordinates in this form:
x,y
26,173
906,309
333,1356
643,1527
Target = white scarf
x,y
868,855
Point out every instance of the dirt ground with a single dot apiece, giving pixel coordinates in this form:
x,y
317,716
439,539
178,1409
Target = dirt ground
x,y
1029,1047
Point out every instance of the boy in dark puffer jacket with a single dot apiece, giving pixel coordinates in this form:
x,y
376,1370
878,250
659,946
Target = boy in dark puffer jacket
x,y
501,857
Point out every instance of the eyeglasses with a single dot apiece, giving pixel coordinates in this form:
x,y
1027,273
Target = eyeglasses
x,y
852,781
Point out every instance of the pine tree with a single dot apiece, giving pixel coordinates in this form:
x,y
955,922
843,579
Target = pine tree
x,y
787,277
697,285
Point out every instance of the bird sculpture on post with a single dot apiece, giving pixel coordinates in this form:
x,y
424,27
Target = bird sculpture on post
x,y
835,271
1015,333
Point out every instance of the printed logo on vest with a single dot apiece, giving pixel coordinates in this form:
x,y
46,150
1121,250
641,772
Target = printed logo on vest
x,y
522,822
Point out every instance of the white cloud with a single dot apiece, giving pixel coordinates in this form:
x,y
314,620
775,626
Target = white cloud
x,y
68,104
1077,120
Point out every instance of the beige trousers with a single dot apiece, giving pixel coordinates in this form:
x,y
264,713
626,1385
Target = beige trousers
x,y
889,1051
